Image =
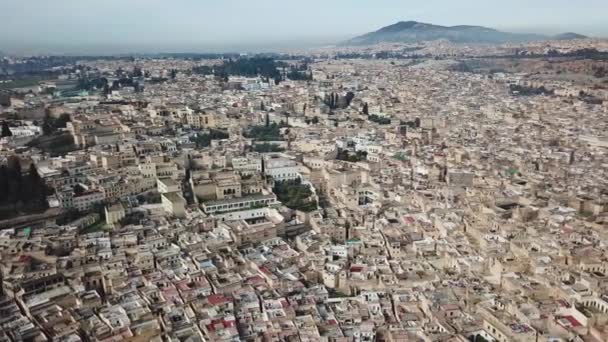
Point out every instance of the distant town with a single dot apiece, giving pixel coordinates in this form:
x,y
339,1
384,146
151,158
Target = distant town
x,y
425,191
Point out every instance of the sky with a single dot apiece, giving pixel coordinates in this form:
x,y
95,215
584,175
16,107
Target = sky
x,y
137,26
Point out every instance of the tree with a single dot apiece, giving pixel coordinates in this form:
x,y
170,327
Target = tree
x,y
379,119
272,132
295,195
4,181
63,120
6,132
137,72
33,174
349,98
47,128
5,100
204,140
21,194
266,147
173,74
14,181
14,165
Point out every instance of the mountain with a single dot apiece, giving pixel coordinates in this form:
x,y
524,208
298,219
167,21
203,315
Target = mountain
x,y
413,31
569,36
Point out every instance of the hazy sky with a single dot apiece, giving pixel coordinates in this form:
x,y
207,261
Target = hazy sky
x,y
96,26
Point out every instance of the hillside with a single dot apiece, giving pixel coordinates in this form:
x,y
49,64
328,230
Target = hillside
x,y
413,31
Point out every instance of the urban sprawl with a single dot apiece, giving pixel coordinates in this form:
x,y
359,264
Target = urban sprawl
x,y
428,192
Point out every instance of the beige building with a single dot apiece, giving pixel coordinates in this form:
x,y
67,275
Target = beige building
x,y
114,214
174,204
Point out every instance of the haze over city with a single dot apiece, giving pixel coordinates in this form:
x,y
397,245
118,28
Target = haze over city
x,y
282,171
131,26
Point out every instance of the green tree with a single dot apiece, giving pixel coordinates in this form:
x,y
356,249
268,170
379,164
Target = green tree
x,y
271,132
349,98
379,119
33,174
265,147
137,72
4,181
295,195
18,193
47,125
14,165
14,180
6,132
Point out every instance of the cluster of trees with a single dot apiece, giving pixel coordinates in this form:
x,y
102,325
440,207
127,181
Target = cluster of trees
x,y
299,73
412,123
36,65
296,75
50,125
102,83
204,140
335,101
5,100
600,72
137,72
407,53
295,195
125,79
379,119
249,67
365,109
56,145
529,91
314,121
263,66
587,53
590,99
19,192
6,131
351,157
198,56
269,132
265,147
462,66
96,83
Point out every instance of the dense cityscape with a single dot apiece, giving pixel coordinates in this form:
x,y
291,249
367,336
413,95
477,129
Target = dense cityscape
x,y
396,191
